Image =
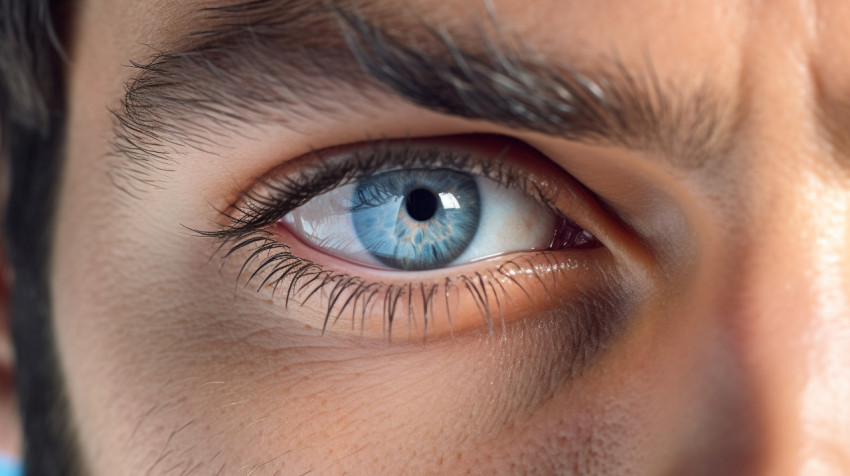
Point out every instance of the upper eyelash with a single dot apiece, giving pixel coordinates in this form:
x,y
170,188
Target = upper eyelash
x,y
275,196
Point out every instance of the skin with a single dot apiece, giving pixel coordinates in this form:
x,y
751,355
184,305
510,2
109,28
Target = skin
x,y
732,358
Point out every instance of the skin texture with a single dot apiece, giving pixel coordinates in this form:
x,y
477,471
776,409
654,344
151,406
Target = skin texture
x,y
731,354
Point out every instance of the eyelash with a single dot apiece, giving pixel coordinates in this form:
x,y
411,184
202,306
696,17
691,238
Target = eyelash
x,y
271,263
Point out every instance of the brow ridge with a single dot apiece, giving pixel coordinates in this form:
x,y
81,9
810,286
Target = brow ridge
x,y
262,60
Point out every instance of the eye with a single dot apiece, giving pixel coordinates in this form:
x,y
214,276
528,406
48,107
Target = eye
x,y
422,219
425,237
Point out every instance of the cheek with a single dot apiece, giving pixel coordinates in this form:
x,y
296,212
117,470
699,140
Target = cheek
x,y
167,369
169,366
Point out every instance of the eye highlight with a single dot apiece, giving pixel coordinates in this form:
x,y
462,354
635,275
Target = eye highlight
x,y
422,219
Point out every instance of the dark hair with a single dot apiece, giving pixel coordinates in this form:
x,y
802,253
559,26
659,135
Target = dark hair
x,y
32,115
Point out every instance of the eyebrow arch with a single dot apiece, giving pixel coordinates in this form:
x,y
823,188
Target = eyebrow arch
x,y
263,60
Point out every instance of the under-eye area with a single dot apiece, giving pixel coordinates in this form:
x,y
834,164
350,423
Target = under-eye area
x,y
418,238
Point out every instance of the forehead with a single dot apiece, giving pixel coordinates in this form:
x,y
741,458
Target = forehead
x,y
688,41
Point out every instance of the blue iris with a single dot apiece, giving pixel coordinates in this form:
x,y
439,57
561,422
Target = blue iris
x,y
416,219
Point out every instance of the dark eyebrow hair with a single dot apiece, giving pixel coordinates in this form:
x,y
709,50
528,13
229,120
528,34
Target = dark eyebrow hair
x,y
264,60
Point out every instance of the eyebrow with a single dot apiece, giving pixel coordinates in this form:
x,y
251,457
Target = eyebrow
x,y
283,61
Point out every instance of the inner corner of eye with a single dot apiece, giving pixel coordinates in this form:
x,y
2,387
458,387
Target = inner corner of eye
x,y
569,235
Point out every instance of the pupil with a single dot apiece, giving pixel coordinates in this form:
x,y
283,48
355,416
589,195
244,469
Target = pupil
x,y
421,204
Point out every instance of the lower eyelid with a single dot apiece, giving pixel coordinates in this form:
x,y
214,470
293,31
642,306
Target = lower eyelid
x,y
348,299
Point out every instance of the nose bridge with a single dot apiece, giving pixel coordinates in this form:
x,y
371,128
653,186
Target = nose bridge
x,y
789,304
790,313
789,278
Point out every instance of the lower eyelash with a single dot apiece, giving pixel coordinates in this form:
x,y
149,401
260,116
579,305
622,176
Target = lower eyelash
x,y
276,267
